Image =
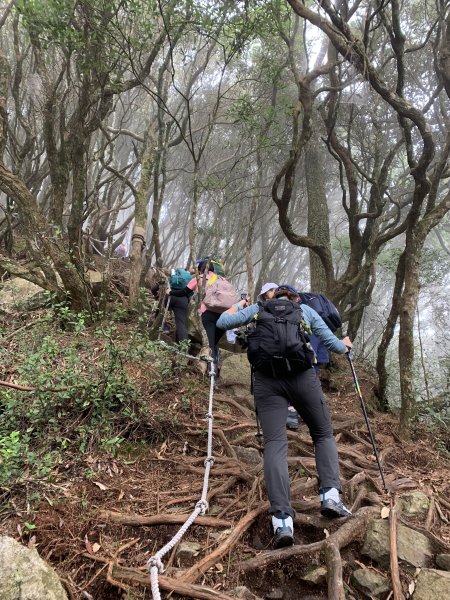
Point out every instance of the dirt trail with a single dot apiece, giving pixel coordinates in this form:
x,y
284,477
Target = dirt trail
x,y
100,525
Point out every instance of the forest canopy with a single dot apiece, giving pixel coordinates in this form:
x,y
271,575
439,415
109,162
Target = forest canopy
x,y
305,142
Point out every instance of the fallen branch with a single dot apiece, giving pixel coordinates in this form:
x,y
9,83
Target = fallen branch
x,y
132,519
441,514
395,576
28,388
430,514
26,326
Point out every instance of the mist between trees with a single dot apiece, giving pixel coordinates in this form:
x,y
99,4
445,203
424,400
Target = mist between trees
x,y
305,143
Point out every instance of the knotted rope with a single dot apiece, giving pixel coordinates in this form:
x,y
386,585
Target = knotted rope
x,y
155,564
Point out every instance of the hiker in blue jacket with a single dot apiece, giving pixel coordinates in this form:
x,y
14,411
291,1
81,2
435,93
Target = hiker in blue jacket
x,y
272,397
267,293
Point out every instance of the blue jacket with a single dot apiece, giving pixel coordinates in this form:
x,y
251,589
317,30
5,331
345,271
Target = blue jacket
x,y
311,318
320,351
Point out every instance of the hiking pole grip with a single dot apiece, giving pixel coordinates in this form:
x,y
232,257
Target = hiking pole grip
x,y
366,418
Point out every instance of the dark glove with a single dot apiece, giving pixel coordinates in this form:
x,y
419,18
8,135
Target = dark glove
x,y
241,338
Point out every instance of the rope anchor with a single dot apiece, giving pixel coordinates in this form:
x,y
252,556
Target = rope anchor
x,y
155,562
203,506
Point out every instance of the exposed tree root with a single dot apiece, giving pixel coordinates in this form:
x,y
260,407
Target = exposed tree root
x,y
192,574
131,519
351,530
168,583
334,570
247,411
237,490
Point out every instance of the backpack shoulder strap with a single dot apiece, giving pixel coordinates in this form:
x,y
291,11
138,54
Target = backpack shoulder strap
x,y
212,279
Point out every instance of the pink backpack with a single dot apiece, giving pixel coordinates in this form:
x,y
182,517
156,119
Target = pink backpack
x,y
220,294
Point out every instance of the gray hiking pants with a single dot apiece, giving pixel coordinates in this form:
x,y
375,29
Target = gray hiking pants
x,y
272,397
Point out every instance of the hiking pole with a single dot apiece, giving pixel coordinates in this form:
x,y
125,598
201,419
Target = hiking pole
x,y
363,406
161,329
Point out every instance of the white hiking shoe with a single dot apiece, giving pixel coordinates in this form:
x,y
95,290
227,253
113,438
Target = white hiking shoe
x,y
283,530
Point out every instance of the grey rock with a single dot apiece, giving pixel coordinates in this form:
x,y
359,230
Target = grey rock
x,y
443,561
371,583
243,592
235,369
432,584
316,575
415,503
186,553
412,547
20,293
249,456
25,575
274,594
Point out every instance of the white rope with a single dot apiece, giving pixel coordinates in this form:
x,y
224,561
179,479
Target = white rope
x,y
185,354
155,564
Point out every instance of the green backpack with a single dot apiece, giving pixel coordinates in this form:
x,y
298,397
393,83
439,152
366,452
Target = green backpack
x,y
179,279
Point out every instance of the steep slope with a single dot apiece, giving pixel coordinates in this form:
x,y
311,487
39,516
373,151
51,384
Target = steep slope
x,y
104,514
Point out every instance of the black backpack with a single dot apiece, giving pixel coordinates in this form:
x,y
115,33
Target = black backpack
x,y
324,307
278,344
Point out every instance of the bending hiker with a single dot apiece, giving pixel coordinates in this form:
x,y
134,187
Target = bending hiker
x,y
219,295
281,359
178,295
330,314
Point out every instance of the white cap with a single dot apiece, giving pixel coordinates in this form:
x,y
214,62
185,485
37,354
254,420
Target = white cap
x,y
265,288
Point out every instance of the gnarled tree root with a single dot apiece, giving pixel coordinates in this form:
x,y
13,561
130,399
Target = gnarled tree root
x,y
169,583
352,529
133,519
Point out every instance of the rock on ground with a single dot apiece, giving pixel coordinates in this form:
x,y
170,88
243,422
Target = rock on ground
x,y
432,585
414,503
25,576
413,547
371,583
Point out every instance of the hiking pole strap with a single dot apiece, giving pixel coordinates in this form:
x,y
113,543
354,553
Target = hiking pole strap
x,y
366,417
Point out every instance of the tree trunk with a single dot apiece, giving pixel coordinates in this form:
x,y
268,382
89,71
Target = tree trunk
x,y
158,192
388,334
139,237
318,215
4,81
193,251
409,301
75,224
50,245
